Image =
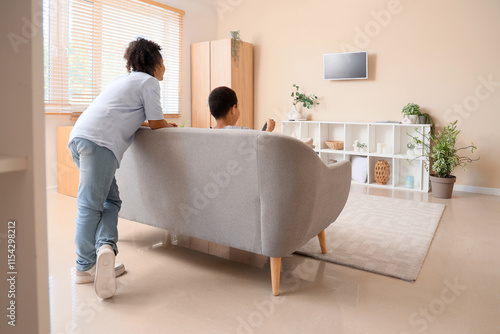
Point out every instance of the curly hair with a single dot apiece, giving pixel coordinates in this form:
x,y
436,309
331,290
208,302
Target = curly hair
x,y
221,100
142,55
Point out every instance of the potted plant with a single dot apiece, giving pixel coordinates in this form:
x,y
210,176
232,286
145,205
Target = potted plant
x,y
411,112
425,118
443,157
410,147
308,101
235,44
359,147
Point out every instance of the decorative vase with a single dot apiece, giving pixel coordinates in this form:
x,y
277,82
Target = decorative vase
x,y
294,114
442,187
382,172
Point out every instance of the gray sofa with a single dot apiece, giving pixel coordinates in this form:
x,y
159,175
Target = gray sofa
x,y
261,192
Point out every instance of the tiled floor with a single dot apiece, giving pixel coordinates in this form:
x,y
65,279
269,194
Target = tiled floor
x,y
172,289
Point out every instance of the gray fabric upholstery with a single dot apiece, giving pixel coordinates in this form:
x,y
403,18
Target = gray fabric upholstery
x,y
261,192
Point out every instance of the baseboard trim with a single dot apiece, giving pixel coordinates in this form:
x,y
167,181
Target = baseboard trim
x,y
51,190
478,190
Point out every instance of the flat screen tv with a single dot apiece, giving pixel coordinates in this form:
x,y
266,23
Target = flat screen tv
x,y
345,65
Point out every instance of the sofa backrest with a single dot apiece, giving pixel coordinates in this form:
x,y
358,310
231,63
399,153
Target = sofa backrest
x,y
247,189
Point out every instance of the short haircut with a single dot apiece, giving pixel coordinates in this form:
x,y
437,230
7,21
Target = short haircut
x,y
221,100
143,55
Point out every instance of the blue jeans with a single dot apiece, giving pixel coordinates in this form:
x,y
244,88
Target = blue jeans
x,y
98,201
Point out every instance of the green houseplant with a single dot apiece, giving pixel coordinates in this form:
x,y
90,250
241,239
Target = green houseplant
x,y
235,44
443,157
308,101
425,118
411,111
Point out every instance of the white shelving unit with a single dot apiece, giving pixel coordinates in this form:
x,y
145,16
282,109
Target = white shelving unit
x,y
385,141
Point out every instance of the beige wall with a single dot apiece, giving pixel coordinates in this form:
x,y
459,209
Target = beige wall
x,y
438,54
22,193
199,25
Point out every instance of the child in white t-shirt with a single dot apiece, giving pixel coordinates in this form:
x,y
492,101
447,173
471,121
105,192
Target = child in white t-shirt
x,y
223,105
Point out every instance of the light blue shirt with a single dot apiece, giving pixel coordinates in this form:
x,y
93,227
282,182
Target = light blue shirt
x,y
112,119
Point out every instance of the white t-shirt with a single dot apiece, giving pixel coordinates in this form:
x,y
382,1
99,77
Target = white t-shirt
x,y
236,127
114,116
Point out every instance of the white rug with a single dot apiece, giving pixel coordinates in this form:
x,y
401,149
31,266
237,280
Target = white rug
x,y
383,235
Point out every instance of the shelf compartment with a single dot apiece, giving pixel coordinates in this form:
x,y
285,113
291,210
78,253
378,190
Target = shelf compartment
x,y
332,131
381,139
403,169
371,170
353,132
402,137
290,128
360,168
326,156
310,130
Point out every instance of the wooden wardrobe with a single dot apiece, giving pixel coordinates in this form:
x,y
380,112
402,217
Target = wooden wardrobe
x,y
212,66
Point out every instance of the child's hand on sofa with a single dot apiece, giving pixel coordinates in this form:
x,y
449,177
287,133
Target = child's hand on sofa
x,y
271,124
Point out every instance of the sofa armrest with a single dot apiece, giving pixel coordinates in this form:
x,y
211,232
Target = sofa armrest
x,y
300,195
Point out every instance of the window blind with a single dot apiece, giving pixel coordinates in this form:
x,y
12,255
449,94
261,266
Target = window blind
x,y
84,44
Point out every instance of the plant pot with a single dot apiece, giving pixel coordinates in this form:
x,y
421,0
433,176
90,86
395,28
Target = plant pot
x,y
422,120
442,187
413,119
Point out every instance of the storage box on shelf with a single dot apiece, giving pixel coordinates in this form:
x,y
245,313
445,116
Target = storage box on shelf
x,y
384,141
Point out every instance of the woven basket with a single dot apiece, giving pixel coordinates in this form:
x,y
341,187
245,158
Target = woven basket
x,y
382,172
335,144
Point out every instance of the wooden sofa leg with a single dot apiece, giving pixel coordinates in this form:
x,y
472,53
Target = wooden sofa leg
x,y
322,241
275,274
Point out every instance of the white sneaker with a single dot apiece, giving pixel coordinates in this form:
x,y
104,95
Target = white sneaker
x,y
105,279
83,277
